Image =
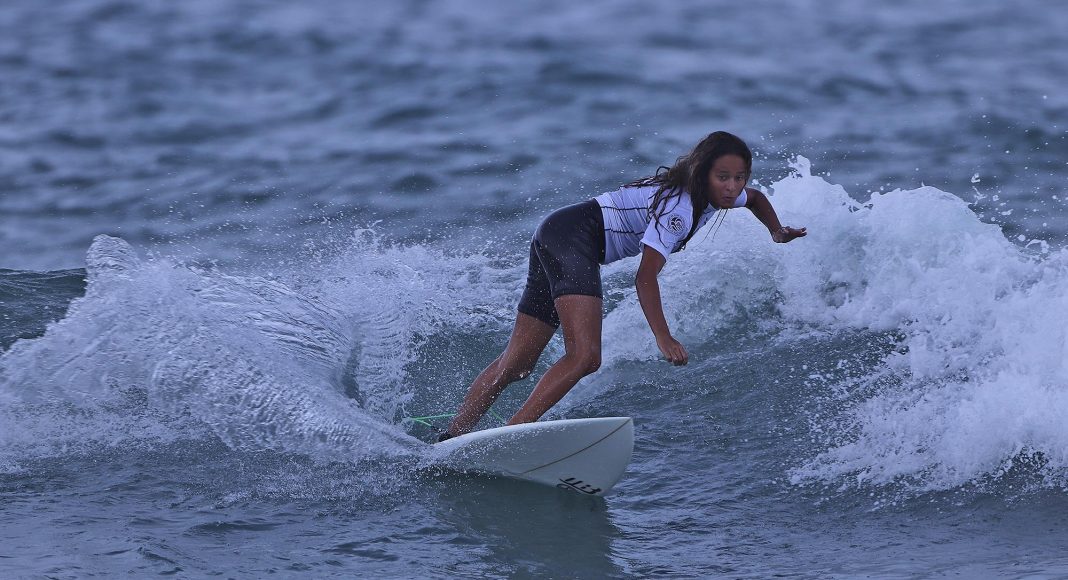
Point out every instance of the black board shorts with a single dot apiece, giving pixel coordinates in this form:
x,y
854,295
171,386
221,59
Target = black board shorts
x,y
565,258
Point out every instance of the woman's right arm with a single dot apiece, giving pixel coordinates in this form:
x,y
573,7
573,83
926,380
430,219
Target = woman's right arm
x,y
649,297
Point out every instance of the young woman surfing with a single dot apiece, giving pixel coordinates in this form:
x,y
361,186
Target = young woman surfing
x,y
655,216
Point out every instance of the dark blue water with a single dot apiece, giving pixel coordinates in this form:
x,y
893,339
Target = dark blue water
x,y
243,241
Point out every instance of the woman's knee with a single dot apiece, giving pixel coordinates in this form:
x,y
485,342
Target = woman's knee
x,y
586,362
593,363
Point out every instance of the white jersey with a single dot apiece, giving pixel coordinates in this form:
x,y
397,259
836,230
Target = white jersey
x,y
627,226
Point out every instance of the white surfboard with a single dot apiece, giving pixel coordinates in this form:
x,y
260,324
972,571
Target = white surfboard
x,y
583,455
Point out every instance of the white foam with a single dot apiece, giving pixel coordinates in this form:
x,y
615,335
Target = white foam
x,y
155,350
982,376
395,297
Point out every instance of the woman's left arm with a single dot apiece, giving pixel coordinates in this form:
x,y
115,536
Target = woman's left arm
x,y
758,203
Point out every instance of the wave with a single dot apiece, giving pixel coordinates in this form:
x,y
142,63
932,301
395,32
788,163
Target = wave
x,y
978,380
158,351
966,377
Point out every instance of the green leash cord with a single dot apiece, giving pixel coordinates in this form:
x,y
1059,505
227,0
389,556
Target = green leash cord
x,y
426,420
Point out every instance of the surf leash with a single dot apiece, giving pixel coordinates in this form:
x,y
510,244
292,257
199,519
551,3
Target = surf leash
x,y
426,420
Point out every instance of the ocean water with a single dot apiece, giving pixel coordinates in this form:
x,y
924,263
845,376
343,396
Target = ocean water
x,y
243,241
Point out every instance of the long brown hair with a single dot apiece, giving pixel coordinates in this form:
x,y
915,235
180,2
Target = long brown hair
x,y
689,176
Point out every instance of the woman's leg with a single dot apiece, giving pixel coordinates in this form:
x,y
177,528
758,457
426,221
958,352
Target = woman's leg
x,y
528,340
580,318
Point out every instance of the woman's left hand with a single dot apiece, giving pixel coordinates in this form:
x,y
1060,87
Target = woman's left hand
x,y
785,234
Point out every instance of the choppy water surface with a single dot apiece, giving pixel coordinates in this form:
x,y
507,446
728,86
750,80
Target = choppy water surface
x,y
243,241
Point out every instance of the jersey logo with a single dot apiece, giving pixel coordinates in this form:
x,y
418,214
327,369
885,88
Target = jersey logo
x,y
675,224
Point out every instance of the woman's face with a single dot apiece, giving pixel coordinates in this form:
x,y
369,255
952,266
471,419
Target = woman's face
x,y
726,180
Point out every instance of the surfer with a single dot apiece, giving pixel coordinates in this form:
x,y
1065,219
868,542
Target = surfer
x,y
654,216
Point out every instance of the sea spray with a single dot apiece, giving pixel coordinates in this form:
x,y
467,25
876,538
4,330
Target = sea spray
x,y
156,350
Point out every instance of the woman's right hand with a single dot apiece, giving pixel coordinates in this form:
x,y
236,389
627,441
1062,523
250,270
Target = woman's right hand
x,y
673,350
